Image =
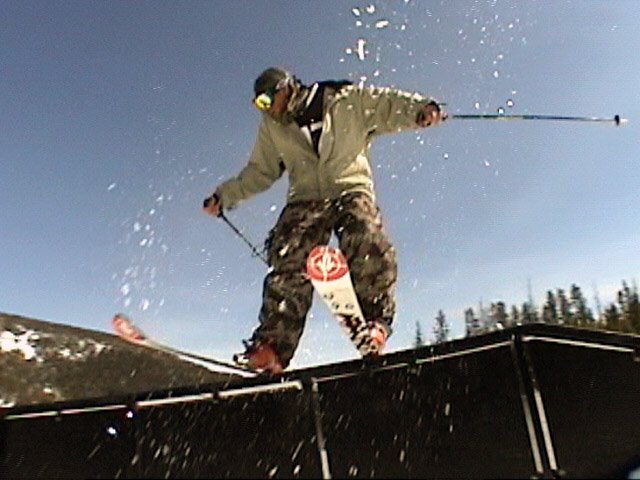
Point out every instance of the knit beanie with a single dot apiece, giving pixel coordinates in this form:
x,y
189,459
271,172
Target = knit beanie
x,y
269,79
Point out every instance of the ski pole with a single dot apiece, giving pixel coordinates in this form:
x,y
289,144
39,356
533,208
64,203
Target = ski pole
x,y
221,215
253,248
616,120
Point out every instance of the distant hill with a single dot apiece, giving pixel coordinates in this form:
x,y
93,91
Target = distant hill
x,y
43,362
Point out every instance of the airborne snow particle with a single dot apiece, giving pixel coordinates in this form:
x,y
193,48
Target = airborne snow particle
x,y
361,48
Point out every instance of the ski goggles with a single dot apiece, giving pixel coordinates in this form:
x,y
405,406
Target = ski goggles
x,y
264,101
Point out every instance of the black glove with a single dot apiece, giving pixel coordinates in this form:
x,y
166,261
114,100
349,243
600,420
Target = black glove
x,y
423,113
207,201
215,199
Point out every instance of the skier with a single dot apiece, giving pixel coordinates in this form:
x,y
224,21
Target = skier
x,y
320,135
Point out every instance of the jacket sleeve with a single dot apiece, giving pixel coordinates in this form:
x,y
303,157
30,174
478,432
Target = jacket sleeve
x,y
388,110
261,171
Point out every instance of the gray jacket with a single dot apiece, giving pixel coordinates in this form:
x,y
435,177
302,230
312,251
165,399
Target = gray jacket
x,y
353,115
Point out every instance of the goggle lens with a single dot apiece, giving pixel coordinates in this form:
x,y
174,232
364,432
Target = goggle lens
x,y
264,101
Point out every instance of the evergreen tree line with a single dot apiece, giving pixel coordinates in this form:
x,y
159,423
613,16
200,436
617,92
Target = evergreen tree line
x,y
559,308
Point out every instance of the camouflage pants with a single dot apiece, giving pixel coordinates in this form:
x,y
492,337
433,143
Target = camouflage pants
x,y
288,293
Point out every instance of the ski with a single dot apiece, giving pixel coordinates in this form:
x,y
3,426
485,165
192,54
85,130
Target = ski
x,y
125,329
329,273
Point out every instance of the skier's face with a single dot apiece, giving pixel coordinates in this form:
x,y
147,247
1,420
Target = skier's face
x,y
279,106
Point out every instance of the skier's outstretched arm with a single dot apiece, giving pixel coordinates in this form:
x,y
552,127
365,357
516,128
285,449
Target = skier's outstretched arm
x,y
388,110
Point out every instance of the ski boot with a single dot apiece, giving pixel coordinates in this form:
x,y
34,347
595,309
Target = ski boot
x,y
260,357
379,332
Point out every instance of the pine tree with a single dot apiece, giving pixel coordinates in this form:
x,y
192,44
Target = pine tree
x,y
612,318
581,314
549,311
441,329
564,315
483,318
418,342
515,316
529,314
498,315
634,309
624,301
599,315
471,322
628,301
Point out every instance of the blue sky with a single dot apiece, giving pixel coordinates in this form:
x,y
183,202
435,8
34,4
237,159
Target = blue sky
x,y
118,118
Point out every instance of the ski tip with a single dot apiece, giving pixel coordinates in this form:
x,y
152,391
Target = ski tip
x,y
120,321
125,329
117,320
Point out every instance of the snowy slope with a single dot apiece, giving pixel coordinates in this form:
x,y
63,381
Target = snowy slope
x,y
42,362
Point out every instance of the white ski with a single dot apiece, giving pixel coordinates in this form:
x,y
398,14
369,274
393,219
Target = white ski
x,y
329,273
125,329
